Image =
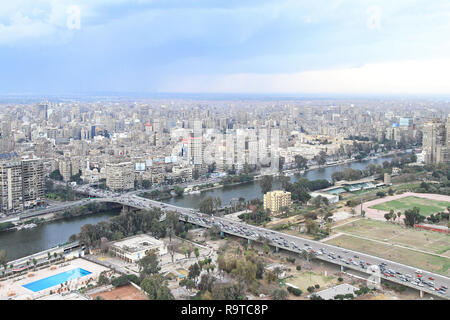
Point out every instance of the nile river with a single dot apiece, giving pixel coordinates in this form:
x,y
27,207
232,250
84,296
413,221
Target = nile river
x,y
25,242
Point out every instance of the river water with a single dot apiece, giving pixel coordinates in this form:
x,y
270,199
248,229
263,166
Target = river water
x,y
26,242
251,190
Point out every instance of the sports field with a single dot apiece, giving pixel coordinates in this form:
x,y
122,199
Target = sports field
x,y
426,206
391,233
420,260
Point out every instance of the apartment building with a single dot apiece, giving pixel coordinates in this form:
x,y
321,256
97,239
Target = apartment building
x,y
275,200
120,176
21,183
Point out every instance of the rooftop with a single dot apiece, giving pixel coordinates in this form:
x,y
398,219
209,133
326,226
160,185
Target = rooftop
x,y
138,243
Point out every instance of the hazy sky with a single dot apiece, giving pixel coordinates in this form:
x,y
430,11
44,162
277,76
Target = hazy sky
x,y
254,46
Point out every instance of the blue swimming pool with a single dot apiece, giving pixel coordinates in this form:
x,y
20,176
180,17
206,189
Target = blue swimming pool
x,y
56,279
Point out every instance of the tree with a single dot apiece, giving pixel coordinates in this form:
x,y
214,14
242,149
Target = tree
x,y
56,175
271,277
321,158
188,283
197,253
102,279
300,162
207,205
195,174
146,184
412,217
194,272
155,286
295,291
178,190
149,264
284,181
279,294
3,258
266,183
311,226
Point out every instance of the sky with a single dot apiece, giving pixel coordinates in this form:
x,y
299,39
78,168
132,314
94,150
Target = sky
x,y
232,46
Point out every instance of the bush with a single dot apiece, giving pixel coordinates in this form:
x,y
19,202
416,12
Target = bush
x,y
290,259
362,291
340,279
294,291
310,289
317,286
120,281
299,268
134,278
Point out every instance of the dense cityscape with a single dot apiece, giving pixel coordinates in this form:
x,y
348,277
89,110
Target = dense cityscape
x,y
245,152
156,168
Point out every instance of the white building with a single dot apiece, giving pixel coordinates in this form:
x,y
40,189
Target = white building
x,y
134,248
332,198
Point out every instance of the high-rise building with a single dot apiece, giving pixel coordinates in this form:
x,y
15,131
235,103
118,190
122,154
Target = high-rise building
x,y
33,184
11,185
434,141
6,137
120,176
21,183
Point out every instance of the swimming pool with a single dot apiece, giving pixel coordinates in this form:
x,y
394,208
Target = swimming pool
x,y
56,279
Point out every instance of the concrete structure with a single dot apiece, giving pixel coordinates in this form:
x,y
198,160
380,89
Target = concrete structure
x,y
120,176
134,248
21,183
332,198
387,178
33,184
11,198
434,141
274,200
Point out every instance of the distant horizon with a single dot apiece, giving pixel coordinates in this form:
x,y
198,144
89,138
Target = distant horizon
x,y
102,95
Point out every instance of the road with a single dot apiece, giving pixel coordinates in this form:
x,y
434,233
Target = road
x,y
389,270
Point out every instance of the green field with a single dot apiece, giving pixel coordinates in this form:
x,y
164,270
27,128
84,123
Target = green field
x,y
306,279
391,233
419,260
426,206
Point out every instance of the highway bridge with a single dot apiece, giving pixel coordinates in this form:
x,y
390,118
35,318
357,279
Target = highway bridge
x,y
376,267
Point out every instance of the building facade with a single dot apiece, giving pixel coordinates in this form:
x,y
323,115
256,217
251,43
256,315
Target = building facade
x,y
120,176
21,184
275,200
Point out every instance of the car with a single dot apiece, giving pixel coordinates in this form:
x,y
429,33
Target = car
x,y
431,278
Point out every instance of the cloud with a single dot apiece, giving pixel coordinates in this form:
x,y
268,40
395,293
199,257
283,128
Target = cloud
x,y
403,77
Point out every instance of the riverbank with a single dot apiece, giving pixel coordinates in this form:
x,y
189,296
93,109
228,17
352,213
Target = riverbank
x,y
67,214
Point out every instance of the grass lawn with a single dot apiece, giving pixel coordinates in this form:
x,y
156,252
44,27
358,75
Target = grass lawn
x,y
433,242
305,279
406,256
426,206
